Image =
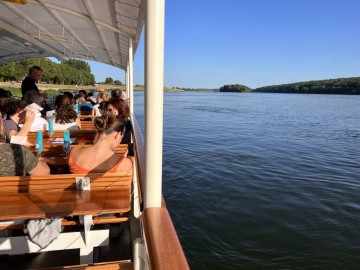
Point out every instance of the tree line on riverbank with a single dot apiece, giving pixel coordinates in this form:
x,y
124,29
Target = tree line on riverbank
x,y
344,86
235,88
67,72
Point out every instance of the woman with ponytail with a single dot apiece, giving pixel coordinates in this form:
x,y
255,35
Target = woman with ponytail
x,y
100,157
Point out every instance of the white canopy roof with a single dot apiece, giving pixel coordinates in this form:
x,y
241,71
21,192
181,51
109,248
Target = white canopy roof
x,y
97,30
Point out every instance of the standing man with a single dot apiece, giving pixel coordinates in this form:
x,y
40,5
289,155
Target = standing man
x,y
35,74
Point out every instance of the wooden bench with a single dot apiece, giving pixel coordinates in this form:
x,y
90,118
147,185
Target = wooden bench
x,y
82,136
85,113
57,149
88,117
32,197
87,125
54,155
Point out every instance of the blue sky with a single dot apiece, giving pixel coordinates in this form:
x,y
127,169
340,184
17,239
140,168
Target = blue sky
x,y
210,43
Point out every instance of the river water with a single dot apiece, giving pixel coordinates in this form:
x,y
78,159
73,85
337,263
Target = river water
x,y
263,181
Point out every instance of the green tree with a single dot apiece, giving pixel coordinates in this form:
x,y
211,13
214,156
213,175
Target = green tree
x,y
78,64
109,80
235,88
346,86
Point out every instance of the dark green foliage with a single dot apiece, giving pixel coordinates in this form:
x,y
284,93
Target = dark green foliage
x,y
109,80
235,88
345,86
69,72
117,82
78,64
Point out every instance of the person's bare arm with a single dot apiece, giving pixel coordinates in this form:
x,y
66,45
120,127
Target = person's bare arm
x,y
14,133
29,119
11,133
126,166
41,169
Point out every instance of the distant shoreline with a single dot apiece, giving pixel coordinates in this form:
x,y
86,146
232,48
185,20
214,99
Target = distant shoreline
x,y
60,87
45,87
339,86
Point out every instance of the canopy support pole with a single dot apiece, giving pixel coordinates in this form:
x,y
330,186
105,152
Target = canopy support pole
x,y
127,79
129,74
153,92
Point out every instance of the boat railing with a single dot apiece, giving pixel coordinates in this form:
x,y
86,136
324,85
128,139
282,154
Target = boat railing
x,y
163,247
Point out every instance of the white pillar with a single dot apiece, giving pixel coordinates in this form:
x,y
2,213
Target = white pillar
x,y
127,79
154,88
129,74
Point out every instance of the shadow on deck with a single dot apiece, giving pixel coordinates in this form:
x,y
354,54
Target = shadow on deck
x,y
119,248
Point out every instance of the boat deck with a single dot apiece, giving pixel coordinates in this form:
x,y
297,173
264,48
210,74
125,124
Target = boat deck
x,y
119,249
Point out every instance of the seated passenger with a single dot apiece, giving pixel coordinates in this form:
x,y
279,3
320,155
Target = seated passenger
x,y
8,94
45,104
124,97
91,99
39,123
101,97
100,157
51,102
16,160
103,107
3,100
84,106
3,97
70,96
65,115
16,114
120,108
116,93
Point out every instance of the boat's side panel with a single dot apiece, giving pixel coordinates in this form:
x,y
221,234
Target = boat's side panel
x,y
139,149
163,245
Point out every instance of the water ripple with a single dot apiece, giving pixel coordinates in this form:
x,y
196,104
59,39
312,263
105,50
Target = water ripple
x,y
264,181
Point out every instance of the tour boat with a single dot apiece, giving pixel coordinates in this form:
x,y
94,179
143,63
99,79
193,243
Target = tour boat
x,y
108,32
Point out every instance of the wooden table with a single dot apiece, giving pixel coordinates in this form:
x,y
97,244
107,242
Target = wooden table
x,y
80,135
15,206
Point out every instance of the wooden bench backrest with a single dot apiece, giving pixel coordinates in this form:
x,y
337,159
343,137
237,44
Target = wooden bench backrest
x,y
57,149
88,134
87,117
84,113
60,133
87,125
63,182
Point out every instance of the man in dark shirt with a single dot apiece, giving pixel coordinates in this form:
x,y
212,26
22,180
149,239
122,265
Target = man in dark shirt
x,y
35,74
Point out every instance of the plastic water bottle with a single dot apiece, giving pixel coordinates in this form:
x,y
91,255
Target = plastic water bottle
x,y
51,127
67,146
39,144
